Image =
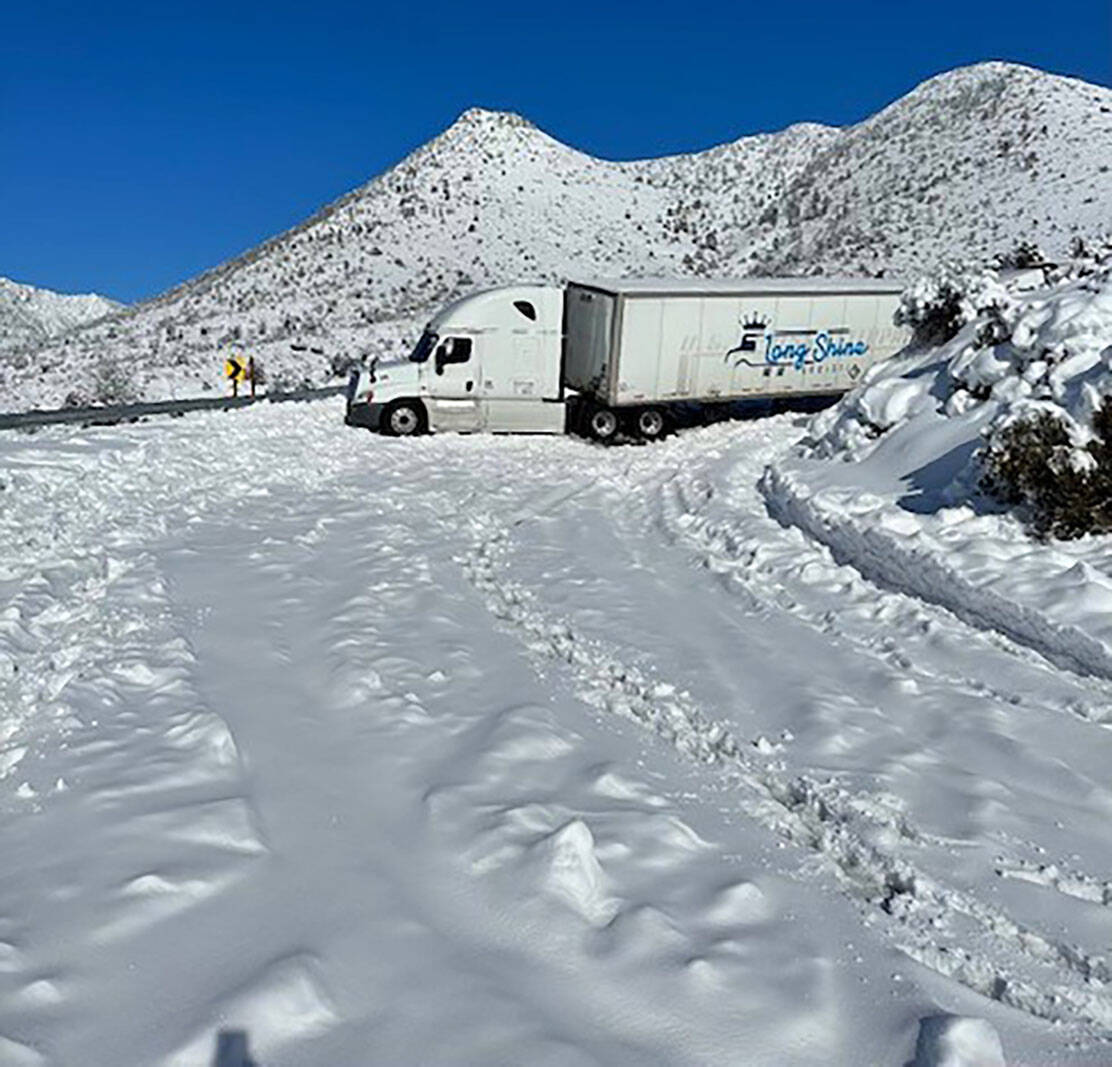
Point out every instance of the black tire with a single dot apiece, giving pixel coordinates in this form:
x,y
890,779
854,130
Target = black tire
x,y
650,424
601,424
404,418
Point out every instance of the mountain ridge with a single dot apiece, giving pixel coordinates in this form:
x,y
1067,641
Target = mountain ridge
x,y
967,163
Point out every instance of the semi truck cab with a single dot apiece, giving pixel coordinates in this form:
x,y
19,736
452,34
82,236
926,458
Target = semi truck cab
x,y
487,362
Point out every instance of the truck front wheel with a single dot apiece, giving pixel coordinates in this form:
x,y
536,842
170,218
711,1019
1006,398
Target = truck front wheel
x,y
602,424
404,418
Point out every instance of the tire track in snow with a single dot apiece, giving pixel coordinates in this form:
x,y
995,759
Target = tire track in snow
x,y
145,796
149,802
681,497
896,628
857,833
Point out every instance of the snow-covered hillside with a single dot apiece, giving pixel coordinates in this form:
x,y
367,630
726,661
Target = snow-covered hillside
x,y
967,164
29,316
961,167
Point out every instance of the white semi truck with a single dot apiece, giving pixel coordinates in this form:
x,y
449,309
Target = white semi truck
x,y
612,358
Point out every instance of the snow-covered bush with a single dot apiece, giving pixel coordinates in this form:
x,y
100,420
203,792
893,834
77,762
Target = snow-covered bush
x,y
939,304
1023,255
281,382
113,382
1086,257
1035,460
1020,394
341,364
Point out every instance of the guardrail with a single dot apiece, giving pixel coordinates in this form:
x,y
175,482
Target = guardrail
x,y
108,414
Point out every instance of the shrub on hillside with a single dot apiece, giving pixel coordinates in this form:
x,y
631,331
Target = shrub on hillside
x,y
939,304
1022,256
113,382
341,364
1087,256
1035,461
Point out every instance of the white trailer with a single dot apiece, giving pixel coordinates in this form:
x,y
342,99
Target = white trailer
x,y
605,357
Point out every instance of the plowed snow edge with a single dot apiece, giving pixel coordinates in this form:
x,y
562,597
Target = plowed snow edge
x,y
882,558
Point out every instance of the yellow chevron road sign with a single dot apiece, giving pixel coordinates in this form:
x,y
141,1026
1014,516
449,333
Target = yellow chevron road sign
x,y
237,369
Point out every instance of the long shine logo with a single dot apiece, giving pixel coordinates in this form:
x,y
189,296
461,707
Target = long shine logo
x,y
792,348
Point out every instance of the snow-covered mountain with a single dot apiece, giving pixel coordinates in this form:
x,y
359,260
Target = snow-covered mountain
x,y
967,164
30,316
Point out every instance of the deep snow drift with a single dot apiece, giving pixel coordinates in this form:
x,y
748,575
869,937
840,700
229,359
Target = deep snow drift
x,y
902,502
504,750
965,165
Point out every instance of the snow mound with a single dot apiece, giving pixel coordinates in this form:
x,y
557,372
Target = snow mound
x,y
1017,353
739,904
891,478
16,1054
572,872
957,1041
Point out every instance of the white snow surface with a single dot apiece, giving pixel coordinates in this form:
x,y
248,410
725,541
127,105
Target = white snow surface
x,y
966,165
324,748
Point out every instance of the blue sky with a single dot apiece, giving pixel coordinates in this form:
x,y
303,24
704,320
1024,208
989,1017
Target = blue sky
x,y
142,145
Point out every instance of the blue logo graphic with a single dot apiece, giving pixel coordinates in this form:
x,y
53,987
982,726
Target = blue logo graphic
x,y
793,348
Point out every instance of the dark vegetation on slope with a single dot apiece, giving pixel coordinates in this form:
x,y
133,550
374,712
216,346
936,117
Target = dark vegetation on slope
x,y
1032,463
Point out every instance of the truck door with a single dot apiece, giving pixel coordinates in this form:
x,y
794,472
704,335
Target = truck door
x,y
454,385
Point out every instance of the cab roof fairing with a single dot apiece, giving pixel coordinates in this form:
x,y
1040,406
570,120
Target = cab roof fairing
x,y
493,309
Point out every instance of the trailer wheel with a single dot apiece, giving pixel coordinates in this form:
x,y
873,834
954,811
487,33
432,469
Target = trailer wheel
x,y
602,424
650,423
404,418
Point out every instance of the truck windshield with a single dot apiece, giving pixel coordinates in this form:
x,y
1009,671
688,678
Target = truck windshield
x,y
423,347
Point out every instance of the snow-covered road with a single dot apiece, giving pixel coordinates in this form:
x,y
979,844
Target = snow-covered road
x,y
474,750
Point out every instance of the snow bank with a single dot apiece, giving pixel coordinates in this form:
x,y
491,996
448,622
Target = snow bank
x,y
889,479
1014,352
982,568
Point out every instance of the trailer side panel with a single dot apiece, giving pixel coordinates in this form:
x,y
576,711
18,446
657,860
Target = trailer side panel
x,y
720,346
